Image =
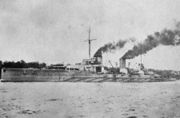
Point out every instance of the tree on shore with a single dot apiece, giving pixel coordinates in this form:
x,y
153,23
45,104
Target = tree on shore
x,y
23,64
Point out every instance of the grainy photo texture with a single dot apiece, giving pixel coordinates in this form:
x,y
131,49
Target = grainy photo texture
x,y
89,59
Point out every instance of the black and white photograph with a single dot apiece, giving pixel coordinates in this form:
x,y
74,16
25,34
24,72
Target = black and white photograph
x,y
89,59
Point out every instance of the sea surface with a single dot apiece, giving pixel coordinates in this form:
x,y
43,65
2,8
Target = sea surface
x,y
90,100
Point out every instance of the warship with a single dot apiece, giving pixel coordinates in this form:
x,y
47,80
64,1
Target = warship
x,y
89,70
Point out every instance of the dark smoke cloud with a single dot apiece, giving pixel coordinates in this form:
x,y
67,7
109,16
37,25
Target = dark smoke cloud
x,y
110,47
166,37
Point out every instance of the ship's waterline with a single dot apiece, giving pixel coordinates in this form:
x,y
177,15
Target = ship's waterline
x,y
55,75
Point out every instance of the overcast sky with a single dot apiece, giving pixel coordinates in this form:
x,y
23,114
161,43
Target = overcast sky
x,y
53,31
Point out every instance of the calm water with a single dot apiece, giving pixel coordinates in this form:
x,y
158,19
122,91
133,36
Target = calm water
x,y
90,100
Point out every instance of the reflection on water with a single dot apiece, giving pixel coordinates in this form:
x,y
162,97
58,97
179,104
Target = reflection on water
x,y
90,100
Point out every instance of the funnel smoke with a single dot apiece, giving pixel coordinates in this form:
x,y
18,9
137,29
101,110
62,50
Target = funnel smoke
x,y
166,37
110,47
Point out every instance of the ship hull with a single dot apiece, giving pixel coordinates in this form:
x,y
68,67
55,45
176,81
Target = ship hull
x,y
50,75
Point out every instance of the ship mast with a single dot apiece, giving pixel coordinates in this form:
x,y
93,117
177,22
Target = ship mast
x,y
89,42
141,54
